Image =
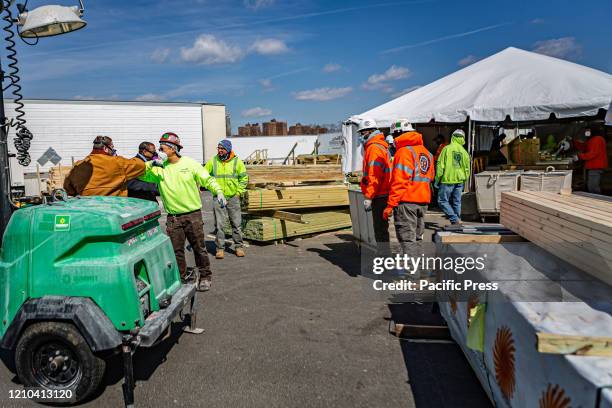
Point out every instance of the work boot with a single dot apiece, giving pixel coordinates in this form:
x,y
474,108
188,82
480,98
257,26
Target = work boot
x,y
220,254
240,252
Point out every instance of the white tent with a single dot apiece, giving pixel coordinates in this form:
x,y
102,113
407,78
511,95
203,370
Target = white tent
x,y
514,83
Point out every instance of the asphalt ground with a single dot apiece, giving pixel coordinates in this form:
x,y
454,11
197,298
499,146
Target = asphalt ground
x,y
289,326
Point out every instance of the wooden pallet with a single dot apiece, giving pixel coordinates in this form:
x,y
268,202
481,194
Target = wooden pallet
x,y
576,228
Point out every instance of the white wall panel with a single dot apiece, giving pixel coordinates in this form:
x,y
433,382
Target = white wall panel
x,y
70,126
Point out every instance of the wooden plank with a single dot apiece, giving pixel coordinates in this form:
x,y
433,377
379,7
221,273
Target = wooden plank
x,y
586,205
576,345
594,253
261,175
561,232
282,215
478,238
295,197
417,331
561,212
258,228
596,266
559,223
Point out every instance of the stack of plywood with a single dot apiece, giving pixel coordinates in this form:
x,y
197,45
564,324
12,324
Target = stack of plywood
x,y
258,228
576,228
56,177
295,197
293,175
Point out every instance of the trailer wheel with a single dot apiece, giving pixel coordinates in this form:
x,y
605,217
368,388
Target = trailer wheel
x,y
54,356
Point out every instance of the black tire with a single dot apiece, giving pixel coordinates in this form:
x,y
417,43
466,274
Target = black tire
x,y
73,368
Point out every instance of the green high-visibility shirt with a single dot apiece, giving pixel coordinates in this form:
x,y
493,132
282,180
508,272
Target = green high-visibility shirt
x,y
230,174
179,184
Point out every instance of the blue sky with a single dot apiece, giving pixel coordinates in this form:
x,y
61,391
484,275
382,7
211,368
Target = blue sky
x,y
307,61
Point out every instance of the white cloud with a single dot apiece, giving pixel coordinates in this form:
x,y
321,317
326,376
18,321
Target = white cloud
x,y
331,67
160,55
113,97
208,50
537,21
266,82
565,47
150,97
405,91
258,4
322,94
256,112
469,60
269,46
380,81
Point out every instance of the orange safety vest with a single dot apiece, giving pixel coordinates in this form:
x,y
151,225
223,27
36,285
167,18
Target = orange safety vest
x,y
376,168
413,171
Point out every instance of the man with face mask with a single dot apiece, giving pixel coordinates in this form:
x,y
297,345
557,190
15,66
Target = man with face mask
x,y
376,178
179,179
102,172
595,157
141,189
230,173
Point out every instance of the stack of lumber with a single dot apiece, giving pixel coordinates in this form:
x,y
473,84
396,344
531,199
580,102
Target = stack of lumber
x,y
295,197
56,177
287,201
257,228
576,228
293,175
318,159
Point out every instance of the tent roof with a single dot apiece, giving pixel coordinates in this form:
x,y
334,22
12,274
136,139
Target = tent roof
x,y
521,84
609,115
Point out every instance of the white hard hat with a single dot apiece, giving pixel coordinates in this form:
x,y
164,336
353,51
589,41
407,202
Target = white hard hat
x,y
366,124
401,126
459,132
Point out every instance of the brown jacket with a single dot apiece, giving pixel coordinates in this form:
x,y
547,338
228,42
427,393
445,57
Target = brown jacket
x,y
101,175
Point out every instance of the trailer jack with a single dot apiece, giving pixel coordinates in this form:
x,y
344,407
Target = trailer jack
x,y
128,348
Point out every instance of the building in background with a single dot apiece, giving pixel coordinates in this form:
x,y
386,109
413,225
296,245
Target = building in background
x,y
249,130
299,129
275,128
64,130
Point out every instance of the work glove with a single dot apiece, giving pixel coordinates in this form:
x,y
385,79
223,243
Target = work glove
x,y
575,158
367,204
387,213
221,199
160,160
436,185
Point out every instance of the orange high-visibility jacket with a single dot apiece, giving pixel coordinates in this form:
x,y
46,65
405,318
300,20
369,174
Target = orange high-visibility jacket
x,y
376,167
413,171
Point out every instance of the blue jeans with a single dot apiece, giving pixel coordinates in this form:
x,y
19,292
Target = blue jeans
x,y
449,200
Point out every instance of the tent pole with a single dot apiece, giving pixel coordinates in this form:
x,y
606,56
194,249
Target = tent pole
x,y
470,152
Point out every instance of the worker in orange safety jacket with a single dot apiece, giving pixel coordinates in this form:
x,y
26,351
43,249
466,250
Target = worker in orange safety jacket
x,y
410,193
376,179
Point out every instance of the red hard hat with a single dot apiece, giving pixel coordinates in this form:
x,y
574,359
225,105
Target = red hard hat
x,y
170,137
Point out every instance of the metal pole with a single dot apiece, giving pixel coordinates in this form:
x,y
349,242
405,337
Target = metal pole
x,y
6,208
470,152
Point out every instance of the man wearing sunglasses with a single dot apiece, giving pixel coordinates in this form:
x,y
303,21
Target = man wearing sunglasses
x,y
102,172
142,189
